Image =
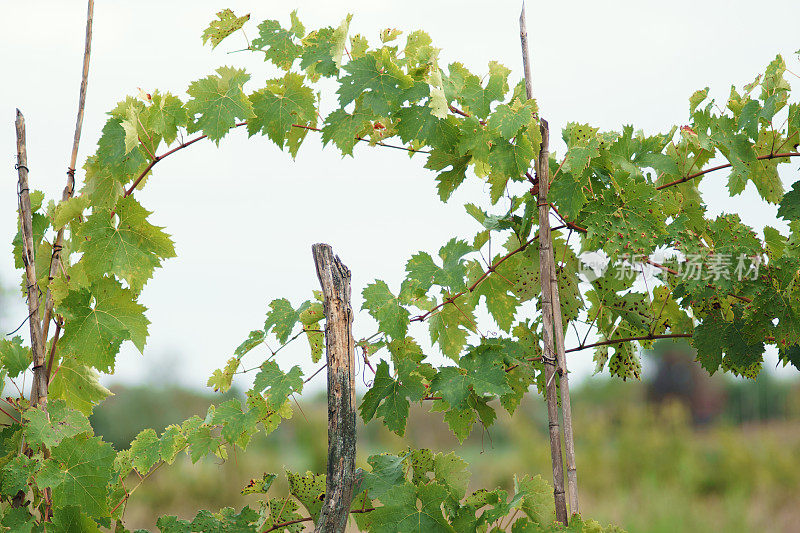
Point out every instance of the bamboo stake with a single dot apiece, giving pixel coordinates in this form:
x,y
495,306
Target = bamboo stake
x,y
69,190
551,312
334,278
39,385
566,407
549,357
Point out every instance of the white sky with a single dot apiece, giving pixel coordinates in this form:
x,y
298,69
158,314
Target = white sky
x,y
244,216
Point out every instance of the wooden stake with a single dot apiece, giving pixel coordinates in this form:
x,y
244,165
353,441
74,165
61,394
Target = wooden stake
x,y
39,385
553,336
334,278
549,357
69,190
566,407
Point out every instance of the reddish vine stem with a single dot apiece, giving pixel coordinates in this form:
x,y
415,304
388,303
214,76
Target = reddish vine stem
x,y
720,167
190,142
630,339
308,519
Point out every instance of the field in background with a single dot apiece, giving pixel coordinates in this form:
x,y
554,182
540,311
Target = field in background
x,y
648,463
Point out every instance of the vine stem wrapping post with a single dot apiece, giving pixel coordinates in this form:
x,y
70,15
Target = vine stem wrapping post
x,y
334,278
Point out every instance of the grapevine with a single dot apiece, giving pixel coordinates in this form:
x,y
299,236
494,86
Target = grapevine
x,y
631,198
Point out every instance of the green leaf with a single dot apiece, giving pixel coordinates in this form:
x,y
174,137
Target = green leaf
x,y
282,510
69,210
410,509
226,520
226,24
278,385
202,442
50,428
256,338
343,128
495,290
282,103
282,318
509,119
221,379
277,44
15,357
418,123
131,247
164,116
377,80
78,386
450,326
388,399
235,421
259,486
145,451
309,489
789,208
16,473
480,371
384,307
447,180
71,520
113,154
727,345
99,320
172,524
323,50
219,101
78,473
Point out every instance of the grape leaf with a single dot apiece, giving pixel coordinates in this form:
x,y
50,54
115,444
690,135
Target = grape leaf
x,y
78,472
277,384
145,451
78,386
219,100
384,307
98,322
131,247
226,24
388,399
281,104
15,357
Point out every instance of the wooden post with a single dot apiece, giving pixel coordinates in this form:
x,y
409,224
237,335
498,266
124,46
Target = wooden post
x,y
39,385
334,278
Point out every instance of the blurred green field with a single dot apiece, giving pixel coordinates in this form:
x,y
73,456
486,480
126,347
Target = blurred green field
x,y
642,465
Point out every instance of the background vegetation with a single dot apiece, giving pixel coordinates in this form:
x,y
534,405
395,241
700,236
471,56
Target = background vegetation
x,y
648,463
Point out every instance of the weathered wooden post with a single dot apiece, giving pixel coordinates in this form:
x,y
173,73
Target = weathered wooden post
x,y
334,278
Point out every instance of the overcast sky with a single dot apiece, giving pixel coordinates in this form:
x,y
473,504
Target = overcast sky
x,y
244,216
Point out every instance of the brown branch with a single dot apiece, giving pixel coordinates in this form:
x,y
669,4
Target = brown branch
x,y
290,522
69,190
53,351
